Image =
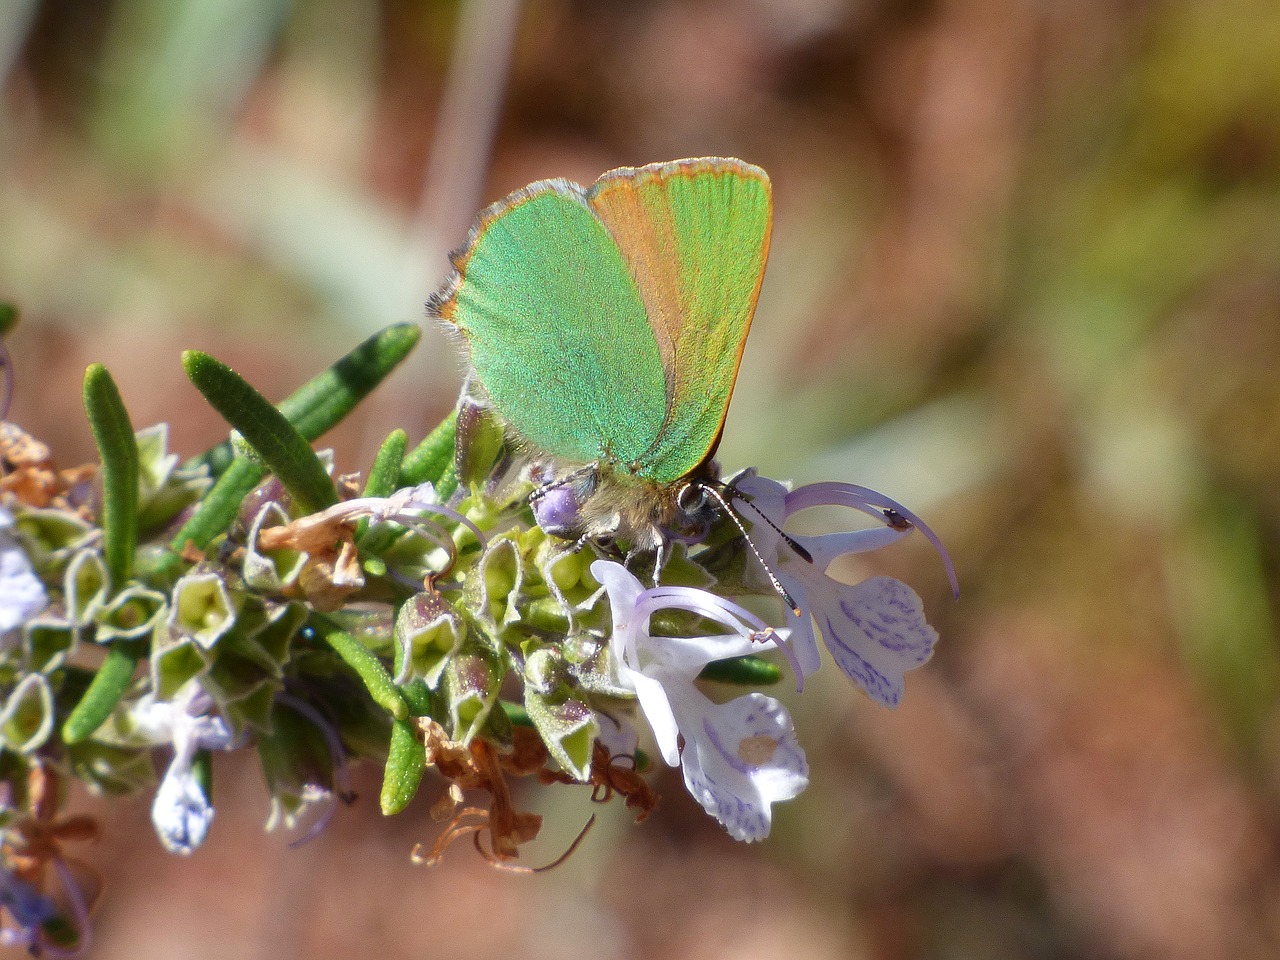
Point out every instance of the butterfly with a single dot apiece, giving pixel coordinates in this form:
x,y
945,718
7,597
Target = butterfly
x,y
606,325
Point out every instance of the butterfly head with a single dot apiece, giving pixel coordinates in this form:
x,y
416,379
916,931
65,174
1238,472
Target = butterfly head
x,y
608,504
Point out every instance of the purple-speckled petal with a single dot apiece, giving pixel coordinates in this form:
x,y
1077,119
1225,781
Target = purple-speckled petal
x,y
876,631
181,813
740,758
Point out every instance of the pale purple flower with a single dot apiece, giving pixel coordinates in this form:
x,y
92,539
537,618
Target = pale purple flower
x,y
27,907
738,758
31,910
876,629
22,595
181,812
408,506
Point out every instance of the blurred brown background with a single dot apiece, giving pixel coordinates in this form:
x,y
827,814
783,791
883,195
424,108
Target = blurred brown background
x,y
1025,278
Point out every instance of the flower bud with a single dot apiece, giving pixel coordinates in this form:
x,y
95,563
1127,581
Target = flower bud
x,y
480,443
545,671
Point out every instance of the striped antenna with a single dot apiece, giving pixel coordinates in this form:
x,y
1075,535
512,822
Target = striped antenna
x,y
782,591
800,551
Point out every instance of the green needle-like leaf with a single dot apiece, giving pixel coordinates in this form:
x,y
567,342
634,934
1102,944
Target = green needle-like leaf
x,y
219,505
418,695
321,403
432,456
118,449
406,762
284,450
369,668
384,475
109,684
448,482
748,671
214,514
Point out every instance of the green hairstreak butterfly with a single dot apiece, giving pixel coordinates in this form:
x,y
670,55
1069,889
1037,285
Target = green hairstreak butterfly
x,y
606,324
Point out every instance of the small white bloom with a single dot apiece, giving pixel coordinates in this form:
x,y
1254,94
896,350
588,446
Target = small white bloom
x,y
742,757
738,758
181,813
22,595
876,629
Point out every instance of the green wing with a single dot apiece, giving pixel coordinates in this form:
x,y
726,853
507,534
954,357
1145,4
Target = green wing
x,y
695,235
558,333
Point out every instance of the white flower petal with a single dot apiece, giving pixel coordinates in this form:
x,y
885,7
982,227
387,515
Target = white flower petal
x,y
212,733
22,595
623,586
181,813
876,631
688,655
803,643
740,758
657,707
624,590
826,547
764,498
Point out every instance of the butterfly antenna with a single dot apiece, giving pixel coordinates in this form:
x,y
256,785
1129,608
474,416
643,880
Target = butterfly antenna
x,y
791,542
777,585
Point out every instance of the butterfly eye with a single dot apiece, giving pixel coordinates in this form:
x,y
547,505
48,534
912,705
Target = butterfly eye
x,y
692,498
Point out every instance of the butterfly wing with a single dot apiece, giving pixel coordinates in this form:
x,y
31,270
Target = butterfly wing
x,y
557,328
695,236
